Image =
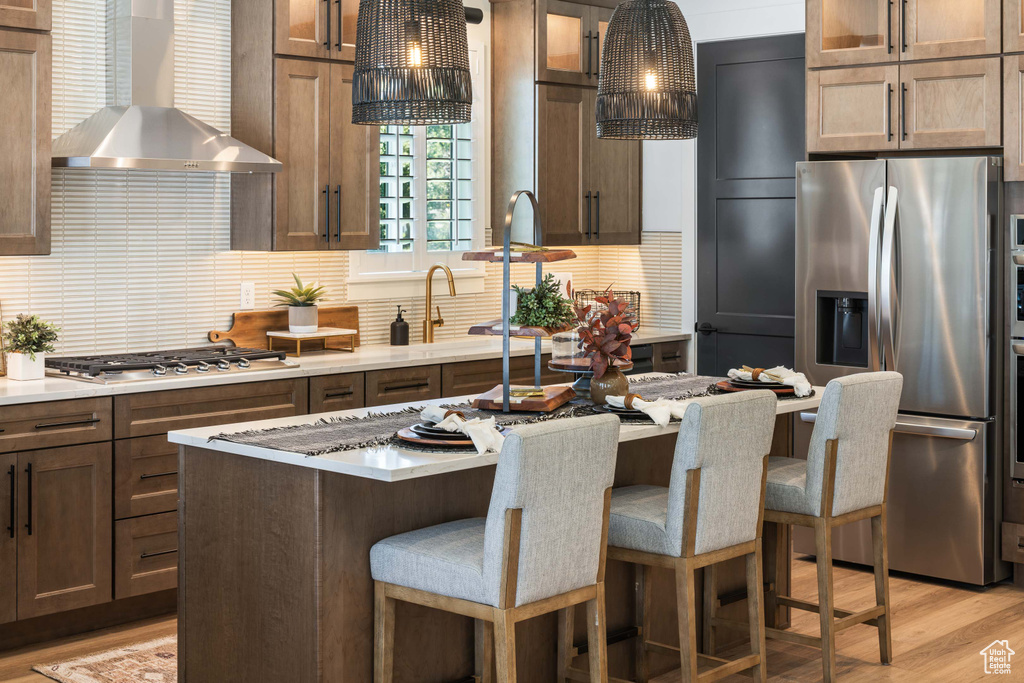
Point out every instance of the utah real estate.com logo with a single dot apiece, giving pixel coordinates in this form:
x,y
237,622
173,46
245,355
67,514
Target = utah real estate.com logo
x,y
997,657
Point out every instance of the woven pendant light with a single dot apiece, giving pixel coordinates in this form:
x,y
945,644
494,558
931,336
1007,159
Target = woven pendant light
x,y
412,63
647,89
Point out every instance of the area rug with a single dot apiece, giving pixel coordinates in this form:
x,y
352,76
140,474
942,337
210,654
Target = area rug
x,y
155,661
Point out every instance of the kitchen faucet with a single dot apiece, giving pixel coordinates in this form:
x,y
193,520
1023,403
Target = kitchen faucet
x,y
430,323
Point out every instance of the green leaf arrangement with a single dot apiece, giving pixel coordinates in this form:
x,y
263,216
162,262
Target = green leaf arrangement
x,y
29,335
543,306
300,294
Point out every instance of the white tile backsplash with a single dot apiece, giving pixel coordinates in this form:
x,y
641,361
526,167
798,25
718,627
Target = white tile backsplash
x,y
141,260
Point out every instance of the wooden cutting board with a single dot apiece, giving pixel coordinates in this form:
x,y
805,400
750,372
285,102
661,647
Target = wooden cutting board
x,y
249,328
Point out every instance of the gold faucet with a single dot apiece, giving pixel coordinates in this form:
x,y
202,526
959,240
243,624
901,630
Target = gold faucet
x,y
430,323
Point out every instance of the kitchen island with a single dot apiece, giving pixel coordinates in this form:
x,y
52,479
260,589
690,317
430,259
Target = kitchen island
x,y
274,573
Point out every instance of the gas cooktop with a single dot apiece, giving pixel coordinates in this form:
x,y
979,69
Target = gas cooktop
x,y
198,362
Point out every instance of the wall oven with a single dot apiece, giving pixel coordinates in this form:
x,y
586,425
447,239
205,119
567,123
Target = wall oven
x,y
1015,299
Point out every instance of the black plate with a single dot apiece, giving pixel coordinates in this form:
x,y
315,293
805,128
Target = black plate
x,y
751,384
431,432
620,411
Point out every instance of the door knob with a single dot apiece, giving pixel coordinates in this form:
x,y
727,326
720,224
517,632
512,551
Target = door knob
x,y
706,328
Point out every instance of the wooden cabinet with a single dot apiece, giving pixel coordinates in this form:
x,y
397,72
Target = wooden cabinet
x,y
24,136
569,42
853,109
55,423
1013,118
323,29
951,104
337,392
64,529
476,377
940,29
145,476
670,356
615,180
841,32
8,537
355,173
146,555
1013,25
403,385
28,14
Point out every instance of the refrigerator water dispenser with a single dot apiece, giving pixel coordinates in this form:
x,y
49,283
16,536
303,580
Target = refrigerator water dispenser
x,y
842,329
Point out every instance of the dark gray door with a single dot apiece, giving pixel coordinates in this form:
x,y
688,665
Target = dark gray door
x,y
751,109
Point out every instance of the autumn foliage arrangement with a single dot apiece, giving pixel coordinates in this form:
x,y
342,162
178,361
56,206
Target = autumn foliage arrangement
x,y
605,335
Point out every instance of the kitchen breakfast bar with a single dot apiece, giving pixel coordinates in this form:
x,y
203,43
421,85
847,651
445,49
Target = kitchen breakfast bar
x,y
274,570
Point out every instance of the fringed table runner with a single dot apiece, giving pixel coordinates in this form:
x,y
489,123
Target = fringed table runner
x,y
337,434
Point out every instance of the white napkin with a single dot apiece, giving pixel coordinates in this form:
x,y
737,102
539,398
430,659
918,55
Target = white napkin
x,y
788,377
484,434
660,410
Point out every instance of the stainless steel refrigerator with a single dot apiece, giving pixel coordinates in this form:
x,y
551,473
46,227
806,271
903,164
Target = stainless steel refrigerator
x,y
896,269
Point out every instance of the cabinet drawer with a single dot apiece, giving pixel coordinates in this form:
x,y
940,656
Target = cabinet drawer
x,y
952,104
476,377
145,555
56,423
337,392
162,411
670,356
145,476
853,109
403,385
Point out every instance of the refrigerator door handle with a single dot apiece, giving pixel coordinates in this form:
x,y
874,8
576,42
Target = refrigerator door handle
x,y
888,288
874,352
922,430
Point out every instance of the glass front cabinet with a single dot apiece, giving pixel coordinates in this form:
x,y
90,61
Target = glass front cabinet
x,y
569,41
324,29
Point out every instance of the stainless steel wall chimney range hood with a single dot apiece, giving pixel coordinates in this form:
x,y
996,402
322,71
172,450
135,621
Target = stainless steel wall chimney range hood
x,y
144,131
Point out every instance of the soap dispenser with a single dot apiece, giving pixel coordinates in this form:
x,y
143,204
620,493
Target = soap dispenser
x,y
400,330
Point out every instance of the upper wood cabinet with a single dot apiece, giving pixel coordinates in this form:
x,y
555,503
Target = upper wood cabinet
x,y
853,109
1013,118
27,14
25,141
615,181
851,32
939,29
1013,25
951,104
316,28
569,39
563,164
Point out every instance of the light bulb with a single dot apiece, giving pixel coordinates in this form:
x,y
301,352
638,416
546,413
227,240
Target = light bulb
x,y
415,55
651,81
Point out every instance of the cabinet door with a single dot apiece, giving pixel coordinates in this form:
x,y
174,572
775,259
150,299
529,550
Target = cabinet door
x,y
302,28
600,17
951,104
847,32
564,130
937,29
421,383
343,33
146,554
615,183
1013,25
1013,116
25,141
565,43
355,173
337,392
302,143
64,528
852,109
31,14
8,537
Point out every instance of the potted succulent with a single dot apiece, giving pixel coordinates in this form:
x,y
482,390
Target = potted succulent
x,y
302,306
27,340
605,339
542,306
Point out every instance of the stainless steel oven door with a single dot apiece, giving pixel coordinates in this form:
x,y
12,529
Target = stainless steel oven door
x,y
1016,406
1015,297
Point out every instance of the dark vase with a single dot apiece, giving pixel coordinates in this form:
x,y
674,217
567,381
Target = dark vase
x,y
612,383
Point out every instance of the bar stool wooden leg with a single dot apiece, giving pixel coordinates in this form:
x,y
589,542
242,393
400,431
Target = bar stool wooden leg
x,y
642,574
770,538
687,608
384,639
597,638
881,547
710,608
823,549
484,647
566,629
505,646
755,613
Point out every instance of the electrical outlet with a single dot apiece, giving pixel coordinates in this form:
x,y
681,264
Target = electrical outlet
x,y
247,296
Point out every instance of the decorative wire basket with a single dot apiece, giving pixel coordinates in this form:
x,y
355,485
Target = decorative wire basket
x,y
587,297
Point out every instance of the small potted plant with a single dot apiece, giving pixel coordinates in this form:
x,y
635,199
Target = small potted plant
x,y
543,306
28,339
605,339
302,306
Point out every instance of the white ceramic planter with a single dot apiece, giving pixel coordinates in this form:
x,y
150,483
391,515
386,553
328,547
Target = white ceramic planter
x,y
302,319
21,367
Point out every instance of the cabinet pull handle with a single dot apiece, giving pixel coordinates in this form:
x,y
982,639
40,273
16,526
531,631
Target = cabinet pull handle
x,y
888,26
903,109
158,474
597,43
327,213
72,423
590,53
28,524
337,218
408,385
12,473
327,44
588,213
597,215
888,115
146,556
338,394
337,44
903,26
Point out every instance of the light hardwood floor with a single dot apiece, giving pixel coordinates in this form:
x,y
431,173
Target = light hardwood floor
x,y
938,631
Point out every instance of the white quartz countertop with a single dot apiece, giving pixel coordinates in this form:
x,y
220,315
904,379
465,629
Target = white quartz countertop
x,y
390,463
364,358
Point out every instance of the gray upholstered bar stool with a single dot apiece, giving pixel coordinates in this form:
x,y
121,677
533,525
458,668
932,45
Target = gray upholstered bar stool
x,y
845,479
541,548
710,512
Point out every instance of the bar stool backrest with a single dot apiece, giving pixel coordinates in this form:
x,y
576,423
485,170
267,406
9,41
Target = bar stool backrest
x,y
557,473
